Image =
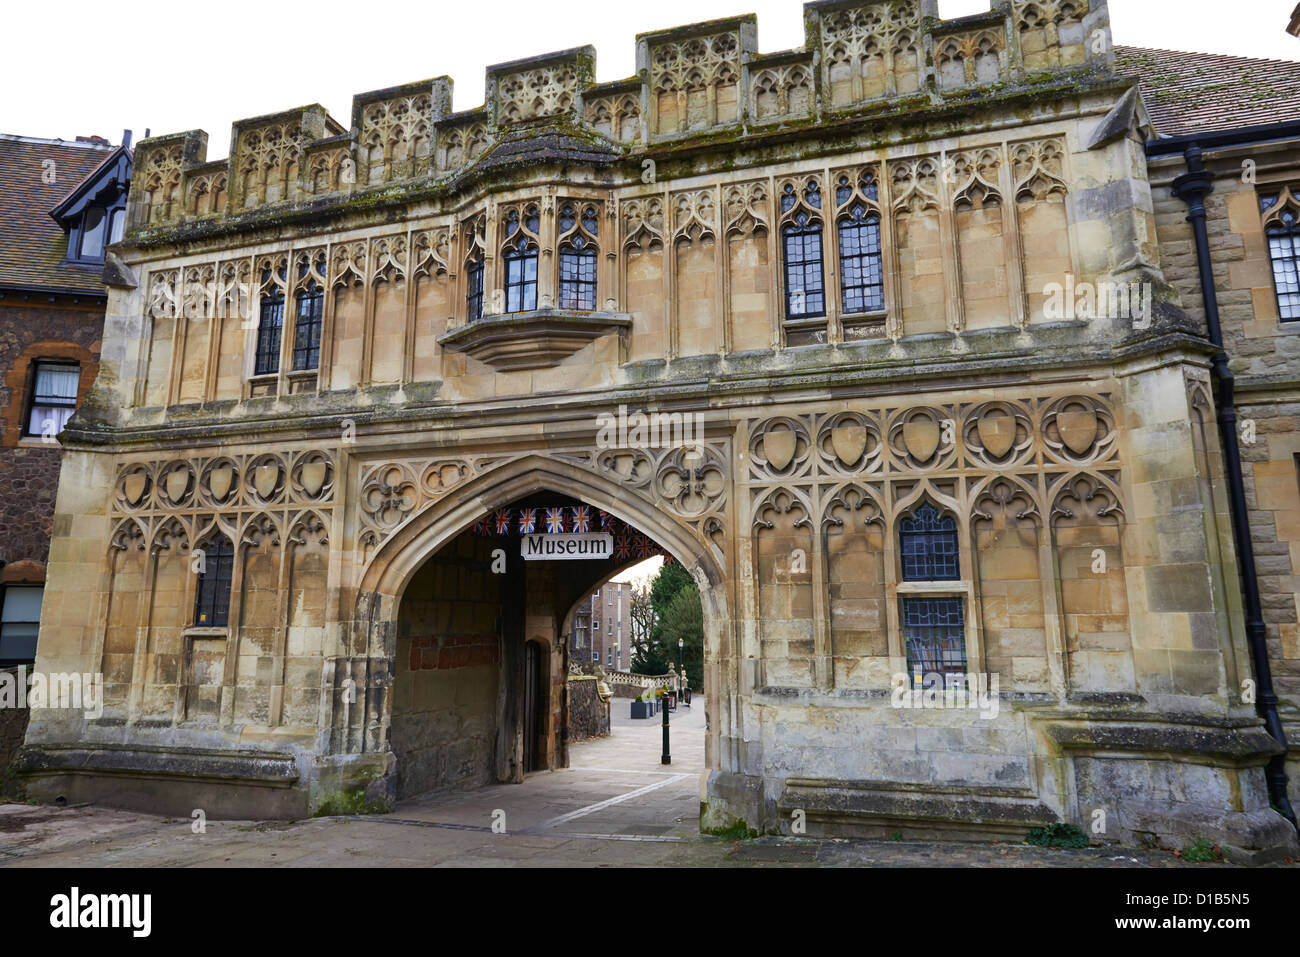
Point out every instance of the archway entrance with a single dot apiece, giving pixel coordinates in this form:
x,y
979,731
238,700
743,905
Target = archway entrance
x,y
480,691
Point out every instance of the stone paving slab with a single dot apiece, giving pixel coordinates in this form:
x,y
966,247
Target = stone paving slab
x,y
616,807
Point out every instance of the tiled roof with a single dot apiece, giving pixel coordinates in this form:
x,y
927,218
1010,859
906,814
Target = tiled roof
x,y
1199,92
32,246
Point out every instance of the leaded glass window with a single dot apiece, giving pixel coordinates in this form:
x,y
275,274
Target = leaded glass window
x,y
212,598
928,541
935,632
1284,251
270,327
862,282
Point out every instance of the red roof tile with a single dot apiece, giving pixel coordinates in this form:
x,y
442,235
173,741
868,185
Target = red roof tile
x,y
32,246
1199,92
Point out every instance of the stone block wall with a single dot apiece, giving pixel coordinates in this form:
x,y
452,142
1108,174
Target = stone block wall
x,y
588,715
1262,352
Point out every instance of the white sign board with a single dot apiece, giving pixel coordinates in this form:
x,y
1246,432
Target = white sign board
x,y
594,546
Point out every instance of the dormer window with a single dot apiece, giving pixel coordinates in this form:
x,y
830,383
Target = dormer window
x,y
98,228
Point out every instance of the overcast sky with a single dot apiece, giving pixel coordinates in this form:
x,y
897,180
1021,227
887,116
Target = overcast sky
x,y
78,68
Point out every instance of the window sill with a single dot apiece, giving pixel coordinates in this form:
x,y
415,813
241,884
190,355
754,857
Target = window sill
x,y
935,588
202,631
806,322
36,442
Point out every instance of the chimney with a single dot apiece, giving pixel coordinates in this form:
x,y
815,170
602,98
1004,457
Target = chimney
x,y
126,138
1294,28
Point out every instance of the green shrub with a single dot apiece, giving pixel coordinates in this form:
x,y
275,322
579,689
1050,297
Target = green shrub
x,y
1201,851
1057,835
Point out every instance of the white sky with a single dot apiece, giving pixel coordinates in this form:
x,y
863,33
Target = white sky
x,y
79,68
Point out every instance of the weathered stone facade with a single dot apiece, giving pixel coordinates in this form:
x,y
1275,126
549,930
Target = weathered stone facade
x,y
997,155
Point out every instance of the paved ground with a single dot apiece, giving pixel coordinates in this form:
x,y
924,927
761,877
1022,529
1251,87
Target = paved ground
x,y
616,806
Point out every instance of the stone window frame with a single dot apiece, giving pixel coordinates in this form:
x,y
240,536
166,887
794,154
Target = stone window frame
x,y
962,587
1274,206
793,200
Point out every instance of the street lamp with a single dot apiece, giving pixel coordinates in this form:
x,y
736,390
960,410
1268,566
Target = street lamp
x,y
681,652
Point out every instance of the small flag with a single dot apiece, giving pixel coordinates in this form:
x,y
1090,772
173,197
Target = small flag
x,y
606,521
582,519
527,521
623,547
481,526
555,521
502,521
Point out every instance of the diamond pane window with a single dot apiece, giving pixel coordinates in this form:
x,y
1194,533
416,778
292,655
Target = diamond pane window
x,y
1284,251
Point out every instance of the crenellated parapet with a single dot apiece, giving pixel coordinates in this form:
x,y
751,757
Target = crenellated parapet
x,y
695,82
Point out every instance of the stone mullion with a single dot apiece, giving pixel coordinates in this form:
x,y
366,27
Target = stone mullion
x,y
611,297
894,633
288,323
670,274
824,663
722,269
368,316
279,642
1012,244
974,630
234,616
952,254
890,266
412,281
774,256
216,328
326,361
547,255
492,284
830,260
1050,585
180,329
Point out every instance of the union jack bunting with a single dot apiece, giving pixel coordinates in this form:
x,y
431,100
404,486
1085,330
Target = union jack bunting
x,y
581,518
501,521
644,547
481,526
527,521
555,520
606,521
623,545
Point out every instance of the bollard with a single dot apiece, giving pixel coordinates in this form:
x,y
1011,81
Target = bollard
x,y
667,758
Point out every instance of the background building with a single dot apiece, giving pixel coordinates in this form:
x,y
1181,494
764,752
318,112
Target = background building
x,y
61,204
602,627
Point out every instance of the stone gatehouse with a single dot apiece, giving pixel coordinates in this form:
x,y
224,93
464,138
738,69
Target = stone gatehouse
x,y
882,271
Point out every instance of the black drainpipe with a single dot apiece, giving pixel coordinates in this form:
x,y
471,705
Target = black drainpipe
x,y
1192,187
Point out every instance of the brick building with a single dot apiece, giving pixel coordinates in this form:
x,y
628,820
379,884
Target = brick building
x,y
61,203
602,628
347,366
